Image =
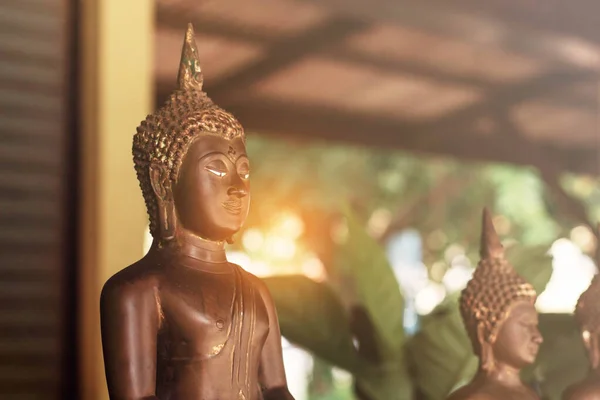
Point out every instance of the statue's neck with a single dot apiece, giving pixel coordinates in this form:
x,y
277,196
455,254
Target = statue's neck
x,y
197,248
503,374
195,252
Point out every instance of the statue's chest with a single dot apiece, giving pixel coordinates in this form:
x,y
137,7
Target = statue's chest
x,y
501,392
204,312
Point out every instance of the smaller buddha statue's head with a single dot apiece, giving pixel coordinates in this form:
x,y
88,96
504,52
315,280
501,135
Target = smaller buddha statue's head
x,y
497,307
587,314
190,159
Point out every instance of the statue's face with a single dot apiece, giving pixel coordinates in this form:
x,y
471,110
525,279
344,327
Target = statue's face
x,y
212,194
519,339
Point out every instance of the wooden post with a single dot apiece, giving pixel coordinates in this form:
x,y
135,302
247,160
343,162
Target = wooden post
x,y
116,94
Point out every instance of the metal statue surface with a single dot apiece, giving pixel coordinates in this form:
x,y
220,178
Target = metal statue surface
x,y
587,314
183,323
498,310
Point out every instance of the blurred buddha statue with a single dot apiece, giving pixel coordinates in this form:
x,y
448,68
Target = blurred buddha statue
x,y
498,310
587,314
183,323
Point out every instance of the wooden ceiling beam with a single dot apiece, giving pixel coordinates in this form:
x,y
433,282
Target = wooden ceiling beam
x,y
285,52
503,97
575,18
173,19
469,145
520,27
337,53
552,80
409,67
454,135
168,18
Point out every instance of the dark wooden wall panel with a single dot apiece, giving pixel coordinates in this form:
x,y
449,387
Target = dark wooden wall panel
x,y
36,207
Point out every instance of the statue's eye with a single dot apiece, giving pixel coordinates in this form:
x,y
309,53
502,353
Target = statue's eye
x,y
216,172
244,170
218,168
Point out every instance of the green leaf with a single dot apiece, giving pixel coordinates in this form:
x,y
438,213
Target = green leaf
x,y
374,284
532,263
562,359
385,382
520,197
441,349
311,316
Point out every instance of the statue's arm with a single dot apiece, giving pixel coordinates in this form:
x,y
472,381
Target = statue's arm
x,y
129,322
272,373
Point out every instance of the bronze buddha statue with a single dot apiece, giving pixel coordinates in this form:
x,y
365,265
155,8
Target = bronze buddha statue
x,y
183,323
497,307
587,315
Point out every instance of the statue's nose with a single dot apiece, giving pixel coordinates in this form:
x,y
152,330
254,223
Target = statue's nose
x,y
237,191
537,337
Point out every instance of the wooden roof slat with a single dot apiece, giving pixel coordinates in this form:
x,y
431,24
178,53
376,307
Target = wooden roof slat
x,y
168,19
277,17
493,64
283,53
364,90
502,97
518,27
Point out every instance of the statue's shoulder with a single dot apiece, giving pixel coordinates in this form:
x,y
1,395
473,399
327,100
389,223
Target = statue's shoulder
x,y
257,283
469,392
139,280
248,276
583,391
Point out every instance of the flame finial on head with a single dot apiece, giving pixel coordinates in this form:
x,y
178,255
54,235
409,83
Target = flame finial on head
x,y
190,73
490,246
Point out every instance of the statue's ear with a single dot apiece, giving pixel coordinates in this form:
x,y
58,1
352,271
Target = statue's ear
x,y
486,352
160,182
161,185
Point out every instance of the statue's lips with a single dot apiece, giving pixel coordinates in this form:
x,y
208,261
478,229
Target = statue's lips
x,y
534,349
233,206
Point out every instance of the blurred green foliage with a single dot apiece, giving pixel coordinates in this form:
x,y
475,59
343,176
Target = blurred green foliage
x,y
328,185
442,198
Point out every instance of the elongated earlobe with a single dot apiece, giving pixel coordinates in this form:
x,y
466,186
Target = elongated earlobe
x,y
487,355
161,185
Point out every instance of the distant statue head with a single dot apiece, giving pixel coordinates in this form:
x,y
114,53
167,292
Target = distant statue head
x,y
497,307
190,159
587,314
